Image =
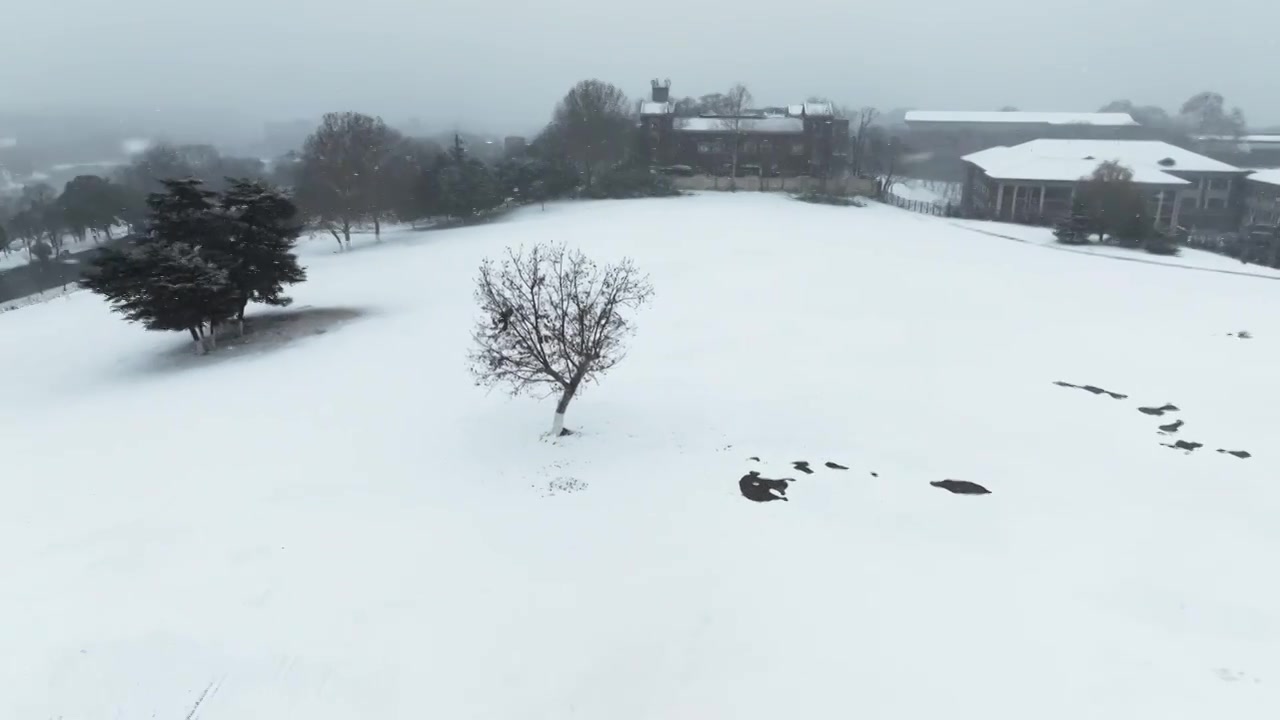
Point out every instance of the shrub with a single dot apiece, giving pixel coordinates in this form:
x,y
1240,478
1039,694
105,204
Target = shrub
x,y
630,182
813,196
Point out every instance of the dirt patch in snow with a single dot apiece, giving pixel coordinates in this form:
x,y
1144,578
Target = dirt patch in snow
x,y
1093,389
762,489
961,487
1159,411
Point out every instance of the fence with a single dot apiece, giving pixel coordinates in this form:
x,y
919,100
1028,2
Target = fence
x,y
921,206
833,186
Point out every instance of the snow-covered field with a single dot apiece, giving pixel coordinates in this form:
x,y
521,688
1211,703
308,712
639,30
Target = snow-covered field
x,y
334,522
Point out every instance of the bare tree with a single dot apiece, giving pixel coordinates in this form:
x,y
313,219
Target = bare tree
x,y
553,320
736,102
862,121
592,124
340,176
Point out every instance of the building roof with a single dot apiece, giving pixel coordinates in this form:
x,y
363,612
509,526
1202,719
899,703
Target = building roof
x,y
1021,118
819,109
782,126
795,110
1151,161
1243,139
1270,176
656,108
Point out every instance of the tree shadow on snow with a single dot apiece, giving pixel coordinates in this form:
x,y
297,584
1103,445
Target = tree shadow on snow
x,y
263,333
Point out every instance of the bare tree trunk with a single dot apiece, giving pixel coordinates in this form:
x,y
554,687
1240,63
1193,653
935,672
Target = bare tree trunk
x,y
733,173
557,425
333,231
377,229
346,232
197,340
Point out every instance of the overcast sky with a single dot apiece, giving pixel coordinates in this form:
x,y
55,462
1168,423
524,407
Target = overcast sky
x,y
500,65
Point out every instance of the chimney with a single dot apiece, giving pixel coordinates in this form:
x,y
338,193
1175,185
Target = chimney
x,y
661,91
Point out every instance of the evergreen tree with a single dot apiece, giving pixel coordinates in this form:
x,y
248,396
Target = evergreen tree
x,y
164,286
204,257
257,247
467,186
1076,229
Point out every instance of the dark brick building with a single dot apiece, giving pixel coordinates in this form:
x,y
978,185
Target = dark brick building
x,y
806,139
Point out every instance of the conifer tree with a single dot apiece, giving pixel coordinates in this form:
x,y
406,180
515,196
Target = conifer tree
x,y
204,258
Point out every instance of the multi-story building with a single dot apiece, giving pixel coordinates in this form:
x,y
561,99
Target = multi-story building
x,y
1036,181
941,138
1262,199
1248,151
804,139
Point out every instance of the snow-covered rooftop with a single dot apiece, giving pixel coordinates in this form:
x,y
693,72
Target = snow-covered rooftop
x,y
1019,117
783,126
1270,176
1243,139
656,108
819,109
1151,161
795,110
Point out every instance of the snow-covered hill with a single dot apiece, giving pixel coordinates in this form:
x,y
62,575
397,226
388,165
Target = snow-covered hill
x,y
334,522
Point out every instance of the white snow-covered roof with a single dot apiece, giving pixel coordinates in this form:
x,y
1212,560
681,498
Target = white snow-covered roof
x,y
656,108
795,110
1243,139
783,126
1270,176
1023,118
1151,161
819,109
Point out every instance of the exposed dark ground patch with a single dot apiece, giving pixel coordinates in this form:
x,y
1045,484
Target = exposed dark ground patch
x,y
1242,454
875,474
762,489
1184,445
1172,427
1158,412
564,486
803,466
263,332
1243,335
753,458
1092,388
835,466
961,487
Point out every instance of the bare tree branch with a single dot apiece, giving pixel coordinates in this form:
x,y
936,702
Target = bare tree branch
x,y
552,320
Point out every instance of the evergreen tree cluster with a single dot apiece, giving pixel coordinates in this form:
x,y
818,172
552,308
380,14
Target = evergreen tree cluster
x,y
204,257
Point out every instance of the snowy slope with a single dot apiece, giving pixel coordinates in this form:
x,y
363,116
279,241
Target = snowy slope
x,y
342,526
1188,258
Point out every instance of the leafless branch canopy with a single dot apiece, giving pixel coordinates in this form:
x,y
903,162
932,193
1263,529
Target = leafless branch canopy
x,y
552,318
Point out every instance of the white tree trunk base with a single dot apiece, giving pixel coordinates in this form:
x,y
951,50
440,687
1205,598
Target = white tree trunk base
x,y
557,426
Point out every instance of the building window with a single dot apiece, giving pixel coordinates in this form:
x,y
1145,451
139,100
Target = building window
x,y
1219,184
704,148
750,147
1215,203
1190,203
797,148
